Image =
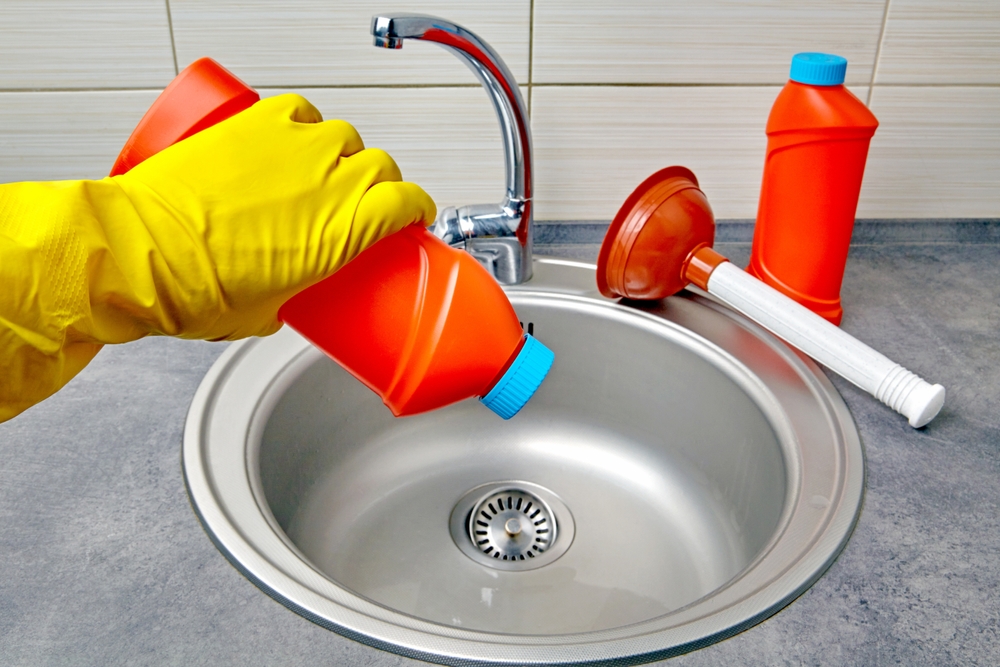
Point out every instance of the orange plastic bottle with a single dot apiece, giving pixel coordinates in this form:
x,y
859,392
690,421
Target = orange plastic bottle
x,y
817,144
203,94
423,325
420,323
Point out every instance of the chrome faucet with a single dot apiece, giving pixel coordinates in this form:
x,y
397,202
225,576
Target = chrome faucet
x,y
497,235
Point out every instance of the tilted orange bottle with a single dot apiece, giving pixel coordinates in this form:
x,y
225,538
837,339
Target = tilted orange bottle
x,y
423,325
817,144
203,94
420,323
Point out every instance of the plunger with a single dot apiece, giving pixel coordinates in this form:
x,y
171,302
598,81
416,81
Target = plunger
x,y
661,241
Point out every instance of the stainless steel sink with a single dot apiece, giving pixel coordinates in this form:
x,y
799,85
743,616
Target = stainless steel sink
x,y
692,475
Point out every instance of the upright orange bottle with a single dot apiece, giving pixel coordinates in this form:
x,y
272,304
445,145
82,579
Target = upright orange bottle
x,y
420,323
817,144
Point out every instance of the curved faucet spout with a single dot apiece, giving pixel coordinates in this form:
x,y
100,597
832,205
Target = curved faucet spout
x,y
498,235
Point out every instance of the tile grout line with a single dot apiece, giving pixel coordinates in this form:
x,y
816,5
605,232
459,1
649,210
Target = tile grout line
x,y
775,84
431,86
531,53
173,43
126,89
878,53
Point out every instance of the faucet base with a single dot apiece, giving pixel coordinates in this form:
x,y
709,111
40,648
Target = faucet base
x,y
505,258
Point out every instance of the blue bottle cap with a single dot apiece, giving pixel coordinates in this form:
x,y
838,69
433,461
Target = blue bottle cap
x,y
521,380
818,69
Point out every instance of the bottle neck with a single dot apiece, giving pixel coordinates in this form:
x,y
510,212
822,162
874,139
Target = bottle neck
x,y
801,106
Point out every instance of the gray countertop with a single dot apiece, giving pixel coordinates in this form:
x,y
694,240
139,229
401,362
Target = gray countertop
x,y
104,562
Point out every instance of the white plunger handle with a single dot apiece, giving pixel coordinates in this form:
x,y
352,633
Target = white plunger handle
x,y
903,391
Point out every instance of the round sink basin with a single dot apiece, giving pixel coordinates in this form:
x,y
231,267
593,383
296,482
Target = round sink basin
x,y
680,475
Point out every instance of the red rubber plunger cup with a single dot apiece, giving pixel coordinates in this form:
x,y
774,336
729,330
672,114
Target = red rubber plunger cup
x,y
647,247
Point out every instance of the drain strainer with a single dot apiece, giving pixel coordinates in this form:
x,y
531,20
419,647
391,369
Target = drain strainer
x,y
512,525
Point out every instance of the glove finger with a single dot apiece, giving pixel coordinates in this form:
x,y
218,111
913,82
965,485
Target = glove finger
x,y
382,205
385,208
370,166
334,138
292,106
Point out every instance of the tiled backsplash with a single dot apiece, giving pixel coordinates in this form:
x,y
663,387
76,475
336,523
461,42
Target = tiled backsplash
x,y
616,90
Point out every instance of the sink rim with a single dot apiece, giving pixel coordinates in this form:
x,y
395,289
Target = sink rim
x,y
290,579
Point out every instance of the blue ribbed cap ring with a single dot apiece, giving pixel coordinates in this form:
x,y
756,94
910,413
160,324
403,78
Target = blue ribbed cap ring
x,y
818,69
521,380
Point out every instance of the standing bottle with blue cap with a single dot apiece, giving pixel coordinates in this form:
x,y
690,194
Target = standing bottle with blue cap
x,y
817,144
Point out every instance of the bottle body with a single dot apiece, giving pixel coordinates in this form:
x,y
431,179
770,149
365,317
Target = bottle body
x,y
817,145
421,324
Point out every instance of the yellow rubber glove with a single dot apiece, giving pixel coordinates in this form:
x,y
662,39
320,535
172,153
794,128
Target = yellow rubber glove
x,y
204,240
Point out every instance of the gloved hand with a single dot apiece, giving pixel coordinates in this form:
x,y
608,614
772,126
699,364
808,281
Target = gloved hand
x,y
206,239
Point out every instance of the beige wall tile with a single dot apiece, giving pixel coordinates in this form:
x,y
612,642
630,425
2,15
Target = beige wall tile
x,y
328,42
941,41
445,139
84,44
62,135
713,41
594,145
936,154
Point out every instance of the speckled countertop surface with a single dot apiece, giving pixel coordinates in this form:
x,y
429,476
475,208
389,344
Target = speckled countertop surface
x,y
104,562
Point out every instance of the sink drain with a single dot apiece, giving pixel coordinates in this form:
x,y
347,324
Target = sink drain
x,y
512,525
